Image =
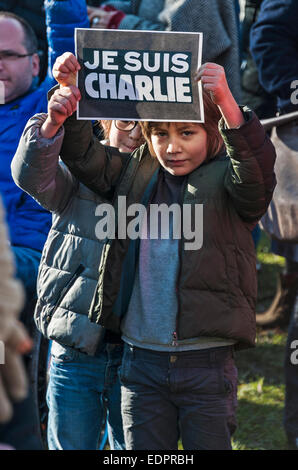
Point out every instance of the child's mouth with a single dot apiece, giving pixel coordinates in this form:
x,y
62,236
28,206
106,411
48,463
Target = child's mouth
x,y
176,162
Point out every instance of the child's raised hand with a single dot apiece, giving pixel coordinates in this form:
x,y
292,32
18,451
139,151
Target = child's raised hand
x,y
214,80
62,104
65,69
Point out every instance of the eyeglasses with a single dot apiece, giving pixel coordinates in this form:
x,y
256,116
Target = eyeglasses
x,y
125,125
7,56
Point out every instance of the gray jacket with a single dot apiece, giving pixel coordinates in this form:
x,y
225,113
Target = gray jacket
x,y
68,270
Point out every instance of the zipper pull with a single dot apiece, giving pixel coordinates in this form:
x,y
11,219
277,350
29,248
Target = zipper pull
x,y
175,339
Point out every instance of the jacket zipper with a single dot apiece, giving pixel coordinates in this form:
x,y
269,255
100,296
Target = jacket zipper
x,y
175,333
108,241
123,171
71,281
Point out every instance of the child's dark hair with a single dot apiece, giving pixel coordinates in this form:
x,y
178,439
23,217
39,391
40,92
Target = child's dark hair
x,y
212,116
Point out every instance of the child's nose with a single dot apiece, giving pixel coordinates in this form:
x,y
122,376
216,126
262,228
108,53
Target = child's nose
x,y
173,146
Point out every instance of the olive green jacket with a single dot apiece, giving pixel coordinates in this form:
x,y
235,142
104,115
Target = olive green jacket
x,y
217,284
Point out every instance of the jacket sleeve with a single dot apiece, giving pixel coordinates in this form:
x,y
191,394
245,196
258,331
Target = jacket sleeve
x,y
95,165
62,17
36,169
132,20
274,47
250,179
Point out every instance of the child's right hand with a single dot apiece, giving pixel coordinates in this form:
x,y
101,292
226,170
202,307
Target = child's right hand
x,y
62,104
65,69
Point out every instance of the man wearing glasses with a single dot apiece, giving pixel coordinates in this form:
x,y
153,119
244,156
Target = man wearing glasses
x,y
19,62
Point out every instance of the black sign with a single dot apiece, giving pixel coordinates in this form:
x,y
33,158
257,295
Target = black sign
x,y
139,75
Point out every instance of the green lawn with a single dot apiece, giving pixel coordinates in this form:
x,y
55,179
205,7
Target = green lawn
x,y
261,380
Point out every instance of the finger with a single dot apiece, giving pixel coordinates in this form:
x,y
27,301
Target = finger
x,y
63,96
60,76
98,13
207,71
61,68
68,60
63,106
209,79
209,87
71,103
65,65
66,93
91,16
211,65
210,73
68,103
72,89
58,108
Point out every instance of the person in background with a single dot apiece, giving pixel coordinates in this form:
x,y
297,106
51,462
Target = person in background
x,y
253,94
33,12
14,339
274,47
216,19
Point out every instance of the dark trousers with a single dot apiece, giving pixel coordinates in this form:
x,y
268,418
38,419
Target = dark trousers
x,y
192,395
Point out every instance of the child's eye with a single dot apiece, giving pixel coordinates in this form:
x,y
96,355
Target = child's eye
x,y
160,133
187,133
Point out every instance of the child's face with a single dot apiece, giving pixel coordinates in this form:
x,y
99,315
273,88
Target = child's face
x,y
125,141
179,146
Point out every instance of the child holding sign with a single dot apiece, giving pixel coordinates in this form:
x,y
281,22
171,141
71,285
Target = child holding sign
x,y
186,309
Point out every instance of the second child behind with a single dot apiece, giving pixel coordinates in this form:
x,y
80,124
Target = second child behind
x,y
186,310
83,379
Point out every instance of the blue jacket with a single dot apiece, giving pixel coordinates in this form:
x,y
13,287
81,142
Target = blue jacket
x,y
28,222
274,47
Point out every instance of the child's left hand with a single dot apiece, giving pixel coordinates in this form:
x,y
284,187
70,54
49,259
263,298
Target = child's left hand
x,y
214,80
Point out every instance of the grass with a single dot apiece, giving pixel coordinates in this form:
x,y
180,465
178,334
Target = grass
x,y
261,387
